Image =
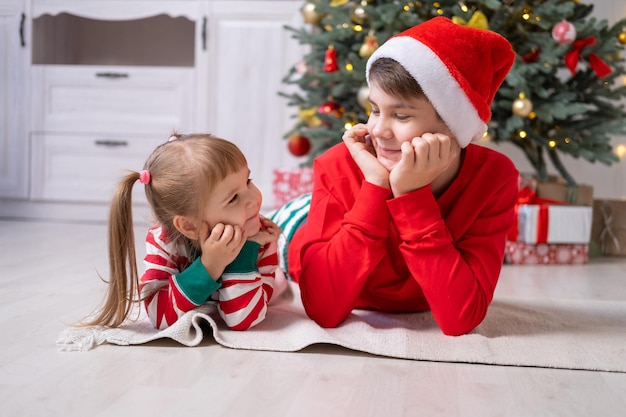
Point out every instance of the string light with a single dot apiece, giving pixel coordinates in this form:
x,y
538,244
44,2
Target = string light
x,y
552,143
620,151
357,28
523,134
349,67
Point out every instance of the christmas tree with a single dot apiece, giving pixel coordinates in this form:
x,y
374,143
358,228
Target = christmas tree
x,y
562,95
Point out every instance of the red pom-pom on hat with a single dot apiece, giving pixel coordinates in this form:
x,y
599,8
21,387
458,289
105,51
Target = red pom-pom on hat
x,y
459,68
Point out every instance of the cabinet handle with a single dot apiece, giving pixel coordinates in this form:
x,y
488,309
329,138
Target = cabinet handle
x,y
22,23
204,33
110,143
112,75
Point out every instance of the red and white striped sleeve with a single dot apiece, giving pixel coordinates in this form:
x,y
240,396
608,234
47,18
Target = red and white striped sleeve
x,y
171,284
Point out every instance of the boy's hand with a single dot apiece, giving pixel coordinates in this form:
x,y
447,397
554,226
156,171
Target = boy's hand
x,y
423,159
362,151
268,233
220,247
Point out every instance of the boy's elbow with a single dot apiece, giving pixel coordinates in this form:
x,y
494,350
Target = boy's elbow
x,y
325,318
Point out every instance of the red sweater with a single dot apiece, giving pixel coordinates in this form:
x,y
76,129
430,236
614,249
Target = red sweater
x,y
362,248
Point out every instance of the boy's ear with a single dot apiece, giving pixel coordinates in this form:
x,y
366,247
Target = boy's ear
x,y
186,226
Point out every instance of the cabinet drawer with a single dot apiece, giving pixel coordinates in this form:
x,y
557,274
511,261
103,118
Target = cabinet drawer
x,y
112,99
86,168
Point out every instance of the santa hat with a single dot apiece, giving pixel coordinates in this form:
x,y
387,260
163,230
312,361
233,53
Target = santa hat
x,y
459,69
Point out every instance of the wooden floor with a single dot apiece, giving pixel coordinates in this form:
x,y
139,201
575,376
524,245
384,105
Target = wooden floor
x,y
50,280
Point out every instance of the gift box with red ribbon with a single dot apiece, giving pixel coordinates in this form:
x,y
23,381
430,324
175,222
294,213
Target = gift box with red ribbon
x,y
520,253
552,223
541,220
289,183
548,231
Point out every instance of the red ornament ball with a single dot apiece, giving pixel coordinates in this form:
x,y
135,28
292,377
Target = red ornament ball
x,y
330,108
531,56
298,144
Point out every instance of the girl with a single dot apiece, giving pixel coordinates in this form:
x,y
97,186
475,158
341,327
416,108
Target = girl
x,y
210,242
406,214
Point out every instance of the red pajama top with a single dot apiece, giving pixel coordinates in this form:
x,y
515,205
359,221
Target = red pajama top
x,y
363,248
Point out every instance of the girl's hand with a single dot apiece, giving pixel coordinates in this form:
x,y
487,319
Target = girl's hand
x,y
362,151
268,233
423,159
220,247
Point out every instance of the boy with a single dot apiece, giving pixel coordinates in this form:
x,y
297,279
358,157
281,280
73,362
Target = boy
x,y
406,214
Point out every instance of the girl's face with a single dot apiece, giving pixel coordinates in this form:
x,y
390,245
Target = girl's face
x,y
235,201
394,120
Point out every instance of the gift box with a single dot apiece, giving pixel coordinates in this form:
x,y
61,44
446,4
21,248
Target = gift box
x,y
554,223
289,183
608,229
520,253
557,189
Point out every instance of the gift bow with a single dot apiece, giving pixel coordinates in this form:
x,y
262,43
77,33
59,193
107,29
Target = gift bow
x,y
608,228
600,67
528,196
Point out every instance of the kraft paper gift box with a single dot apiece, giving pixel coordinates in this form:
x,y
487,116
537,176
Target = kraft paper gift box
x,y
557,189
608,229
554,223
289,183
520,253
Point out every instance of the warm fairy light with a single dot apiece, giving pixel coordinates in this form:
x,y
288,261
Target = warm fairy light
x,y
348,125
526,16
345,25
439,11
436,5
567,140
464,8
357,28
522,96
620,151
552,143
349,67
532,115
523,134
537,19
406,8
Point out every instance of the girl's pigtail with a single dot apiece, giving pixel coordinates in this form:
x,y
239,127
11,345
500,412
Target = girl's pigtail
x,y
123,288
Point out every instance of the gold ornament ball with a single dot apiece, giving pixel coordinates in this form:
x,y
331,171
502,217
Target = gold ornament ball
x,y
522,107
311,15
621,37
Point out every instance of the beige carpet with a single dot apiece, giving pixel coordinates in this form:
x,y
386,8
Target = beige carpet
x,y
567,334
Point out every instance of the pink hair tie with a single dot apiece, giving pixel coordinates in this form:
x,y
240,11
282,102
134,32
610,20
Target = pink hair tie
x,y
144,176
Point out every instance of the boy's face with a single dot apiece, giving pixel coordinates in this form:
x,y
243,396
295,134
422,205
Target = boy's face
x,y
394,120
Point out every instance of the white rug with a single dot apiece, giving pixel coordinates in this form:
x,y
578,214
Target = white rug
x,y
565,334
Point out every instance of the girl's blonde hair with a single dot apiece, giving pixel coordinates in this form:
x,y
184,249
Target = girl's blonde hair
x,y
182,174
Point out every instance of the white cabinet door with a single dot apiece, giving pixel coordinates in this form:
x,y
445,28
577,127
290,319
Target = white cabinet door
x,y
250,53
13,100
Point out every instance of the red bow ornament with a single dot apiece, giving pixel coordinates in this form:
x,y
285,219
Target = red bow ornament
x,y
600,67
